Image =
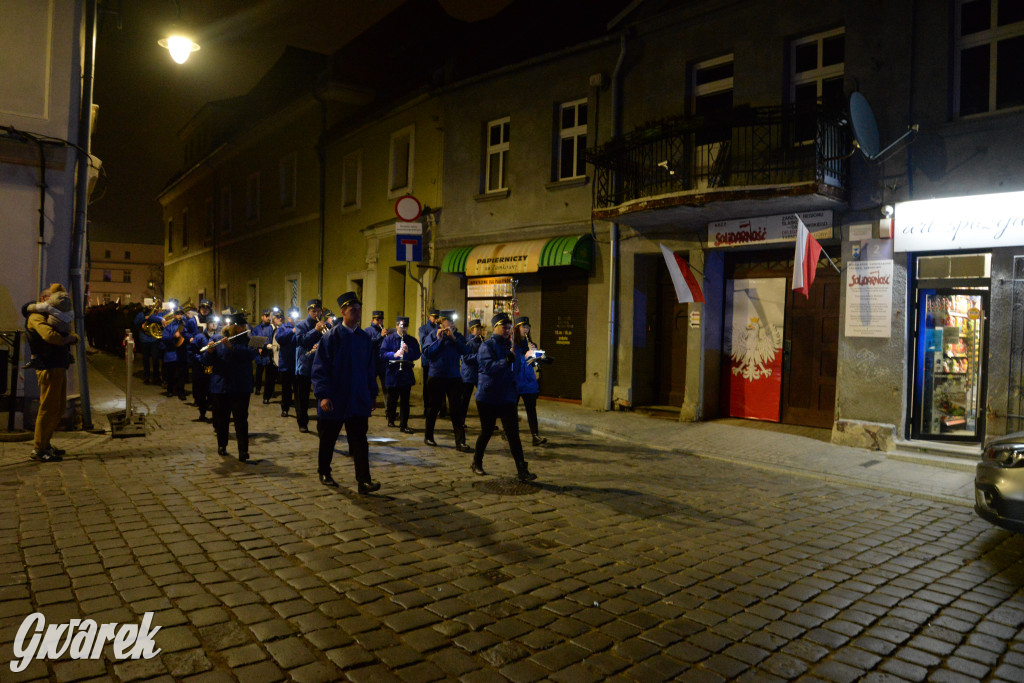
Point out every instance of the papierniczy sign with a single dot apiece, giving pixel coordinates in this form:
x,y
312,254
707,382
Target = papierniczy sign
x,y
81,639
768,229
976,222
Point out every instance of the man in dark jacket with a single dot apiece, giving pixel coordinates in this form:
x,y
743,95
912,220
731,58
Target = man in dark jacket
x,y
497,397
443,351
307,335
231,385
282,351
424,333
377,332
263,329
399,351
469,369
345,385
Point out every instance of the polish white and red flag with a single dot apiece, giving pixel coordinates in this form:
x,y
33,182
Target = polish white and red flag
x,y
805,261
687,289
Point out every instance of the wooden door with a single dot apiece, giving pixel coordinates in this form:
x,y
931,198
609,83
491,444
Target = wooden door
x,y
563,333
670,353
811,353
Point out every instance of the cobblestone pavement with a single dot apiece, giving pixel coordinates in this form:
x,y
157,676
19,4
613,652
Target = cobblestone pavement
x,y
622,563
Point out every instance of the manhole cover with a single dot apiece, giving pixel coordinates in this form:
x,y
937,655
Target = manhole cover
x,y
506,487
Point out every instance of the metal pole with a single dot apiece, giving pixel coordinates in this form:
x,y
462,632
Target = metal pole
x,y
15,362
78,234
129,361
613,256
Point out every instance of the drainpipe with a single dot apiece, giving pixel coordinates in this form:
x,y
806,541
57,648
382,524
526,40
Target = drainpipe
x,y
82,199
613,265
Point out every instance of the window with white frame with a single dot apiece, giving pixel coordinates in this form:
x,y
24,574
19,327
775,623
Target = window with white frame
x,y
184,228
401,166
208,205
572,139
225,209
989,55
496,175
817,65
252,198
352,180
711,87
286,181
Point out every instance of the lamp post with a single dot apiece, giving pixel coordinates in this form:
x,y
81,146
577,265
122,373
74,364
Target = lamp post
x,y
178,43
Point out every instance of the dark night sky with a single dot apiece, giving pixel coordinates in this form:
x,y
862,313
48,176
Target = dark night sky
x,y
145,98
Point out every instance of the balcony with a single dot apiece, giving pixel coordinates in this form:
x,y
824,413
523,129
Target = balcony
x,y
745,161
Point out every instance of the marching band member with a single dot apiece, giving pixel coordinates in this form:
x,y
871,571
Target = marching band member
x,y
284,359
496,396
231,384
205,311
149,345
443,350
262,358
526,378
469,369
271,353
377,333
200,376
424,333
400,351
175,337
307,335
345,384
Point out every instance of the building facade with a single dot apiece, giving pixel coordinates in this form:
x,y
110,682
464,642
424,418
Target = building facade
x,y
124,272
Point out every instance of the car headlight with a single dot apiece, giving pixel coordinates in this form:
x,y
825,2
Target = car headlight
x,y
1005,454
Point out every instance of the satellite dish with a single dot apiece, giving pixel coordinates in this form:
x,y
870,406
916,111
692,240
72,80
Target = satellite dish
x,y
865,128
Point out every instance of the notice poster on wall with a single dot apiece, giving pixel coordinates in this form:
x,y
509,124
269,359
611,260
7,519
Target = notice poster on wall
x,y
869,299
754,321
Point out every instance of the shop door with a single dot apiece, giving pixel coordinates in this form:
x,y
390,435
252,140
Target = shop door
x,y
563,333
810,353
949,365
670,357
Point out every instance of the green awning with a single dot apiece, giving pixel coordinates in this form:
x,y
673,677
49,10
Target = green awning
x,y
527,256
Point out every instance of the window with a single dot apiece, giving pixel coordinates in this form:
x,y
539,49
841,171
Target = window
x,y
292,290
223,296
572,139
253,298
286,173
352,180
817,64
990,55
170,235
497,155
126,276
252,198
225,209
402,146
106,276
106,254
127,256
184,229
208,206
711,93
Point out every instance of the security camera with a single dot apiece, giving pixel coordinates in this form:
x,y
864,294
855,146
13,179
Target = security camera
x,y
887,211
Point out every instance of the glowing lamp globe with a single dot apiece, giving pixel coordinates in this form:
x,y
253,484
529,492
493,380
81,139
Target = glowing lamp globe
x,y
179,46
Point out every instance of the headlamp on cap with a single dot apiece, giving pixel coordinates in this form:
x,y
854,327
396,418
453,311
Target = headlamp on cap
x,y
275,309
293,314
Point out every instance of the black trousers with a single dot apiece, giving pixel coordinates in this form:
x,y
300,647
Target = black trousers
x,y
201,388
467,396
439,389
287,379
383,386
257,379
358,448
149,360
490,413
226,407
302,387
530,401
397,402
268,385
176,375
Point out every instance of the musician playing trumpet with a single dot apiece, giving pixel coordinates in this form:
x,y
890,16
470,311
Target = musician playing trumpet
x,y
307,334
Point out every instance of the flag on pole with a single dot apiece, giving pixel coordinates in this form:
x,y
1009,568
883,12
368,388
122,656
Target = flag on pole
x,y
805,262
687,289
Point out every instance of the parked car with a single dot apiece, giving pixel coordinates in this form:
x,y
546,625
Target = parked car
x,y
999,482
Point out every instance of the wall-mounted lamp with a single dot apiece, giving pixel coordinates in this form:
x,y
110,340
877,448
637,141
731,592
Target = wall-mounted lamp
x,y
664,165
180,46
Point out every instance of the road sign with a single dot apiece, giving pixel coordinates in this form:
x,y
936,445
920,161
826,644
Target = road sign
x,y
408,208
403,228
409,247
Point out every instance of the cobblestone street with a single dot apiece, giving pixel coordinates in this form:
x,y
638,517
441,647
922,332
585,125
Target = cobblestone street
x,y
622,562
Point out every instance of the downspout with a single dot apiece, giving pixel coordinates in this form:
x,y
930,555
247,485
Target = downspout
x,y
910,99
42,215
613,265
82,200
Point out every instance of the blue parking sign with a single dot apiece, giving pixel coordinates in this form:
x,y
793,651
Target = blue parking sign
x,y
409,247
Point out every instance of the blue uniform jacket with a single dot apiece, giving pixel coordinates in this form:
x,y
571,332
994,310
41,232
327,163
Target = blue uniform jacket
x,y
343,371
262,330
424,334
526,378
191,326
232,367
306,337
495,382
198,342
170,341
443,355
285,336
377,335
399,372
469,370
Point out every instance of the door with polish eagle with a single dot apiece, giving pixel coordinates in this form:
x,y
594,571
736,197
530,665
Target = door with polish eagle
x,y
755,317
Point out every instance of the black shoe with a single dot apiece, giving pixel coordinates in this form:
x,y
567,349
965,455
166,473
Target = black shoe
x,y
222,450
523,471
45,455
284,413
406,430
266,401
477,467
539,440
59,452
304,429
327,480
391,423
368,487
242,457
430,442
463,448
182,397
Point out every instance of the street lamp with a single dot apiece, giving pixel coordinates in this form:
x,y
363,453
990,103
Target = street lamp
x,y
180,46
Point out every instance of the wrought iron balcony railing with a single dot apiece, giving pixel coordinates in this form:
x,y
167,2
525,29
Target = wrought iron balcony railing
x,y
741,148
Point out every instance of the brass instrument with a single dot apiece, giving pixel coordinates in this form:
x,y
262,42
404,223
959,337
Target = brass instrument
x,y
153,329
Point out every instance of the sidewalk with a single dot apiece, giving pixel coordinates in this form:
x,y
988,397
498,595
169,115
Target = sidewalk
x,y
755,448
765,450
